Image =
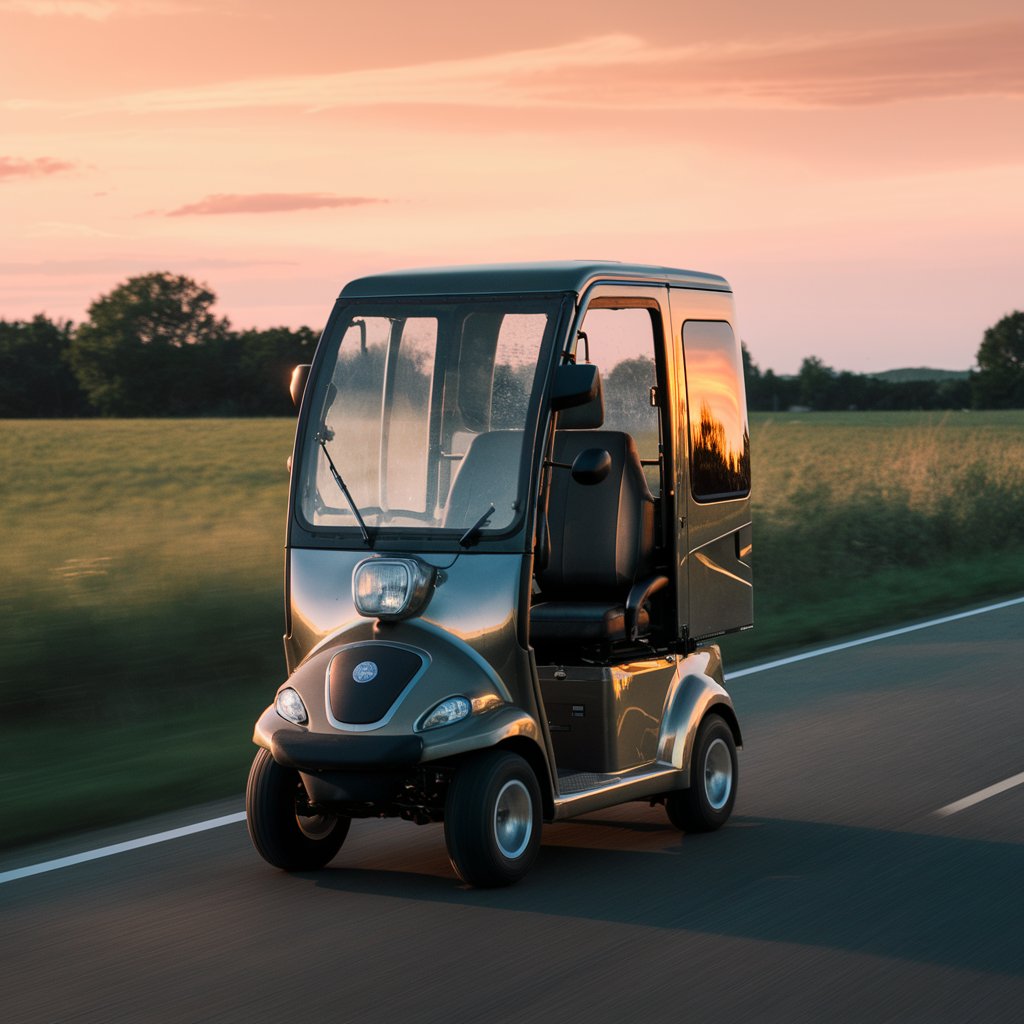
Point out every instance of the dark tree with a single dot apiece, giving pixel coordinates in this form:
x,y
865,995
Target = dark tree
x,y
627,393
140,353
248,372
35,377
999,380
817,384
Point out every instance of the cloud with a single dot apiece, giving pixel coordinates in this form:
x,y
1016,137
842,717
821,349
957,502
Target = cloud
x,y
94,10
268,202
125,265
40,167
621,72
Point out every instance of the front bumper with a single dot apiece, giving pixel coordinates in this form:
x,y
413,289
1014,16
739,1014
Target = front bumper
x,y
311,752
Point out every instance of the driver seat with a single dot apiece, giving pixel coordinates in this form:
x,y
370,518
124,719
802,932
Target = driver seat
x,y
598,575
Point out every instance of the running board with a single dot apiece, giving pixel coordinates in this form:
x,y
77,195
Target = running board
x,y
582,792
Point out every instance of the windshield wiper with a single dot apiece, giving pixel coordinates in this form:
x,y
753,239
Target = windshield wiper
x,y
348,497
469,537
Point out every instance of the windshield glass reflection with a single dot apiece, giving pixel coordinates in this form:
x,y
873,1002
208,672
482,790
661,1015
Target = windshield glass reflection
x,y
422,413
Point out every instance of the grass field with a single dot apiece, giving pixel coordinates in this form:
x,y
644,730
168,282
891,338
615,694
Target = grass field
x,y
140,581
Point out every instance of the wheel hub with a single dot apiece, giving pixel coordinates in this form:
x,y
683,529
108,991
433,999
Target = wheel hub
x,y
718,774
513,819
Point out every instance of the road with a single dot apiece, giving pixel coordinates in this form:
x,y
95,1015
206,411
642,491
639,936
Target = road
x,y
835,893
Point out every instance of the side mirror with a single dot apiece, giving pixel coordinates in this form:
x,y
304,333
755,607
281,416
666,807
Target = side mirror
x,y
575,384
298,383
591,466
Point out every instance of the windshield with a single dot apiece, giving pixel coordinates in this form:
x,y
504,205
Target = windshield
x,y
419,414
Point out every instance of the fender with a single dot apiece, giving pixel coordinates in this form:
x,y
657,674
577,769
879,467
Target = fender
x,y
696,689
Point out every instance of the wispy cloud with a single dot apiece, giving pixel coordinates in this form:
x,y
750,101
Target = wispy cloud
x,y
627,73
124,265
39,167
268,202
95,10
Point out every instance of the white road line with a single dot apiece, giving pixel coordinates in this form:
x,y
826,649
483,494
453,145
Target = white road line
x,y
982,794
231,819
109,851
807,655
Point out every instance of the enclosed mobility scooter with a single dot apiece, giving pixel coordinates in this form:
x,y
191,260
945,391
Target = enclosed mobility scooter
x,y
519,512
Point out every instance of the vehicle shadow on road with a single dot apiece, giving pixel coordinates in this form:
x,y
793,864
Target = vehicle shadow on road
x,y
926,898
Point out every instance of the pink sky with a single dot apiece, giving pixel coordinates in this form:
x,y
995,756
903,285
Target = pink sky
x,y
857,174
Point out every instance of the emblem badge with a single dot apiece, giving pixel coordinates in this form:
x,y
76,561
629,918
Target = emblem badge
x,y
365,672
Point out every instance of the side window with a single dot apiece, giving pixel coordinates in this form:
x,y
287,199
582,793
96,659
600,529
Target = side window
x,y
621,344
719,436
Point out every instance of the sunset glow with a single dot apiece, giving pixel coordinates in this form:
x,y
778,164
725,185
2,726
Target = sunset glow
x,y
855,174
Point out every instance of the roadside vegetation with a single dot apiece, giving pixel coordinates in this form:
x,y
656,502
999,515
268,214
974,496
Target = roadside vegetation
x,y
141,595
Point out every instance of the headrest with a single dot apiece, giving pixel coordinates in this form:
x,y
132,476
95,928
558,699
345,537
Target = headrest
x,y
588,416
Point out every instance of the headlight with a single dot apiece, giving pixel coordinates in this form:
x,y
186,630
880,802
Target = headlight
x,y
454,709
289,706
392,588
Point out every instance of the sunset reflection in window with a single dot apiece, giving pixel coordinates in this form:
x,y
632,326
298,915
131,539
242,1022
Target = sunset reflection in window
x,y
719,436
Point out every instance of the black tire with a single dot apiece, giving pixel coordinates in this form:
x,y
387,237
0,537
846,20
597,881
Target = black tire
x,y
714,776
281,826
492,819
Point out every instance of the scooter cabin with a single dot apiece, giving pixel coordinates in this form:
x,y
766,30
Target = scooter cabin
x,y
519,515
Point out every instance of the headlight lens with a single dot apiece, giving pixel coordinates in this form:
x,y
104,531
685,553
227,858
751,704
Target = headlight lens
x,y
392,588
454,709
289,706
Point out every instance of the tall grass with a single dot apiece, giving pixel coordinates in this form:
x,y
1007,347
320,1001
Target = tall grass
x,y
141,563
862,518
140,581
140,601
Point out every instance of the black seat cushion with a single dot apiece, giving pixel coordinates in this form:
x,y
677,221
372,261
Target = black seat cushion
x,y
580,622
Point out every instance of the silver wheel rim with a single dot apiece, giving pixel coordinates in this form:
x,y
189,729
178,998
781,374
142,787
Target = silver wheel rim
x,y
513,819
718,774
312,826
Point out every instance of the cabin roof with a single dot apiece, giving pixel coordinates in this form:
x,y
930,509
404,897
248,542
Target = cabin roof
x,y
519,278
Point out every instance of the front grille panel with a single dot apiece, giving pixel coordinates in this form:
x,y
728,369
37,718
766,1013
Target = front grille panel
x,y
365,681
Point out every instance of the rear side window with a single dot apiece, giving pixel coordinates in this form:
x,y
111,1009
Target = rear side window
x,y
716,406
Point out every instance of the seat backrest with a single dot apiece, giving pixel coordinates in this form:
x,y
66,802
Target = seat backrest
x,y
601,536
488,474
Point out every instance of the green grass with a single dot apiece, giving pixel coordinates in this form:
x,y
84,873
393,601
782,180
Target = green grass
x,y
140,581
140,592
869,519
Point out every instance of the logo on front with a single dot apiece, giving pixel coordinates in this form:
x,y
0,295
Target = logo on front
x,y
365,672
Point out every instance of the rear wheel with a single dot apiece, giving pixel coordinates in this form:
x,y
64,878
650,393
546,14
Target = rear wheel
x,y
714,774
492,819
283,827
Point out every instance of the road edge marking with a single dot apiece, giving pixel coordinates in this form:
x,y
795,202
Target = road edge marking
x,y
847,644
982,794
109,851
230,819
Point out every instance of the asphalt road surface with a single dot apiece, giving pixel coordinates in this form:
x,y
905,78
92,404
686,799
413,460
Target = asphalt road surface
x,y
835,893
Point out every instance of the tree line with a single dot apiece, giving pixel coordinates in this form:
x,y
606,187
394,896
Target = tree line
x,y
154,347
151,347
997,382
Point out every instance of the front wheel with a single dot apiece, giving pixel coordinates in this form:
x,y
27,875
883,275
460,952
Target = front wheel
x,y
714,774
282,826
492,819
